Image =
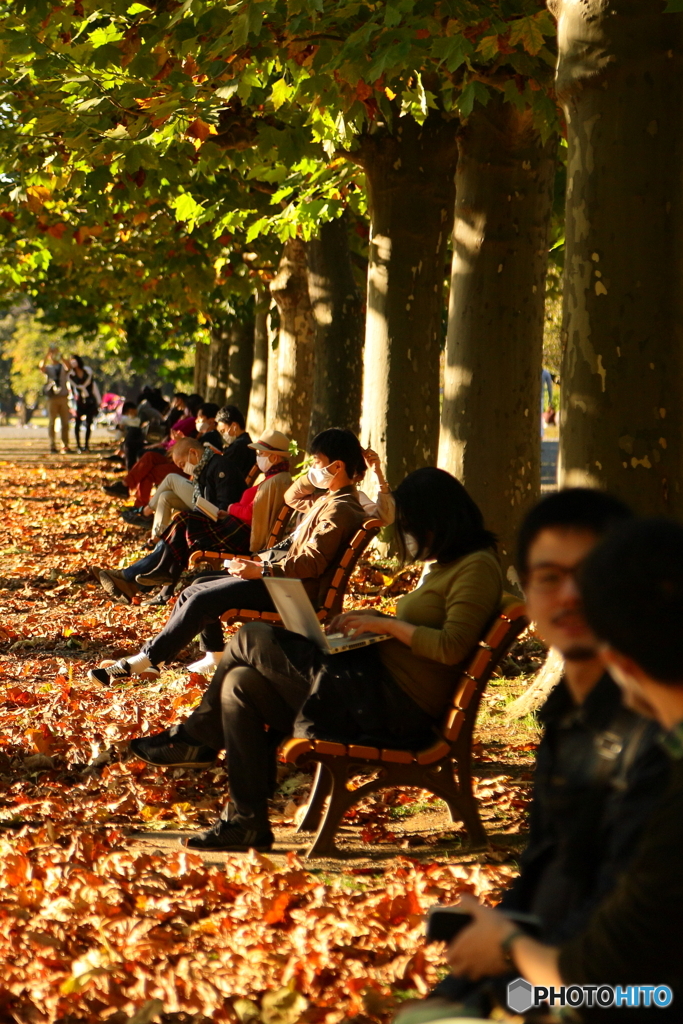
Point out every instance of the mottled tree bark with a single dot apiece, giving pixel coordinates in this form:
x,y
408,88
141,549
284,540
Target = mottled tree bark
x,y
411,193
256,417
490,422
218,363
339,325
619,79
240,360
201,368
295,349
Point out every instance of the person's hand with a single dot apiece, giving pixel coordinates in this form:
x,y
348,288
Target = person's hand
x,y
355,623
337,623
245,568
476,952
371,459
176,434
222,513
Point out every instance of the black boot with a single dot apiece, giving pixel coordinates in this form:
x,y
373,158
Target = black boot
x,y
166,571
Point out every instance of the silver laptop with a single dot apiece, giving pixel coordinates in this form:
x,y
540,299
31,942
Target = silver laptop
x,y
298,615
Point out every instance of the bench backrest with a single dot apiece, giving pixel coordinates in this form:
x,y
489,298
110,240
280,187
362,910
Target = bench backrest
x,y
279,526
334,599
250,478
504,630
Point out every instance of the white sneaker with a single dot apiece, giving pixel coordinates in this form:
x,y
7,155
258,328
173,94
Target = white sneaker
x,y
208,664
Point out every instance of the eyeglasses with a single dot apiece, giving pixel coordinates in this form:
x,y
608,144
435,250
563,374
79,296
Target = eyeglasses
x,y
548,578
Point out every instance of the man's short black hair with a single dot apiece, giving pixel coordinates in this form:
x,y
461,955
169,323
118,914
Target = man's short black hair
x,y
632,589
209,410
127,406
575,508
231,414
343,445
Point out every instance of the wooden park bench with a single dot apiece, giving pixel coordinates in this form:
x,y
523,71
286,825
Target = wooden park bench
x,y
444,768
334,598
215,559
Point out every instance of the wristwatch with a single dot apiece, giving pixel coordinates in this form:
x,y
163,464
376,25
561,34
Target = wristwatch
x,y
267,569
505,946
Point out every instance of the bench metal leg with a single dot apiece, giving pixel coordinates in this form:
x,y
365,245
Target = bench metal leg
x,y
322,786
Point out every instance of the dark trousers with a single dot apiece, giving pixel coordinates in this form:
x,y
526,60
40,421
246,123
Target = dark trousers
x,y
263,679
198,610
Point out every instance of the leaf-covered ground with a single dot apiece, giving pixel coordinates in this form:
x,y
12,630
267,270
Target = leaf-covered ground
x,y
104,916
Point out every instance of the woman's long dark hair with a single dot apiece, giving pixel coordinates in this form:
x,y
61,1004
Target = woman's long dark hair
x,y
78,360
439,513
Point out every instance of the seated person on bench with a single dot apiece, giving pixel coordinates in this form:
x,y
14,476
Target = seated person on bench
x,y
632,590
600,768
247,520
393,692
212,477
321,540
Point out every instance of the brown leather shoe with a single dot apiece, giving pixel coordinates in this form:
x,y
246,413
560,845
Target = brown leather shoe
x,y
118,588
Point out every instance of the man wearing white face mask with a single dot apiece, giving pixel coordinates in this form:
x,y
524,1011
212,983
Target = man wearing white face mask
x,y
308,489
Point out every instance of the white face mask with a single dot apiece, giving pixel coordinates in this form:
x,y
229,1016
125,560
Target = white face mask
x,y
263,463
200,426
411,545
190,468
320,477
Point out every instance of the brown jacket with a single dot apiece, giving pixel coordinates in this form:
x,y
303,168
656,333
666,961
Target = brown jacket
x,y
322,537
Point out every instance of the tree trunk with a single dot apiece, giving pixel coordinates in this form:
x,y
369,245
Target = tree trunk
x,y
339,325
411,194
240,359
490,422
256,417
273,328
619,79
218,365
295,350
201,368
543,683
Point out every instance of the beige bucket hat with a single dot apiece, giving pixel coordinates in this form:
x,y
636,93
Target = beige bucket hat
x,y
272,441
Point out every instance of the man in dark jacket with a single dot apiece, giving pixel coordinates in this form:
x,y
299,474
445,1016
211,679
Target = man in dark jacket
x,y
231,426
214,477
633,594
599,770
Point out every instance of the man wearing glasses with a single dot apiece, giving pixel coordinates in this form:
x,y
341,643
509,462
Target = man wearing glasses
x,y
599,768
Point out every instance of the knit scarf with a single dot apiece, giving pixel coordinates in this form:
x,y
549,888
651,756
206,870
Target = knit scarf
x,y
209,453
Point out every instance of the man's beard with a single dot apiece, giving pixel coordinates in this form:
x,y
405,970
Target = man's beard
x,y
580,652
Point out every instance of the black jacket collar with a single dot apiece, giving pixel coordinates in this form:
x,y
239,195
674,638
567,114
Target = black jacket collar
x,y
596,712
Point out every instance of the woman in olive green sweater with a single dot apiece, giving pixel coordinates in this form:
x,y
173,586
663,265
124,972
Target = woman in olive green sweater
x,y
392,692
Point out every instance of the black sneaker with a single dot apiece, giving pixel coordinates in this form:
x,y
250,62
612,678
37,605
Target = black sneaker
x,y
168,750
232,835
155,599
111,674
117,490
119,670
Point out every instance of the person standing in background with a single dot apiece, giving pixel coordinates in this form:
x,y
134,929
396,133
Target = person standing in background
x,y
87,396
547,386
56,392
